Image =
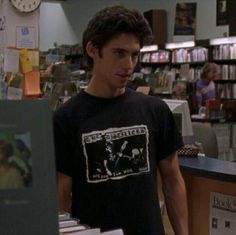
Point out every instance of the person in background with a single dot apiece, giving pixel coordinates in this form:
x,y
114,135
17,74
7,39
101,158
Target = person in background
x,y
205,86
111,141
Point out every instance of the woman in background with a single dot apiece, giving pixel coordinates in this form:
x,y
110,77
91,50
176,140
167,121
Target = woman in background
x,y
205,87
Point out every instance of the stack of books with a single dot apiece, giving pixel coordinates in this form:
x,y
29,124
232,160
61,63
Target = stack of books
x,y
72,226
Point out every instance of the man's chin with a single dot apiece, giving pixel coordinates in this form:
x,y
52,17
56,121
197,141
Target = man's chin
x,y
123,85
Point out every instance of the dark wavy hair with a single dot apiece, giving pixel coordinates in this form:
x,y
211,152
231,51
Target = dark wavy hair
x,y
112,21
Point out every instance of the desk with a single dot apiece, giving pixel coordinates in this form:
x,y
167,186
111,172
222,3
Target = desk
x,y
202,176
226,136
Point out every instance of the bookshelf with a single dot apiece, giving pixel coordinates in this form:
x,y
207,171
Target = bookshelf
x,y
154,56
224,54
187,58
184,60
155,67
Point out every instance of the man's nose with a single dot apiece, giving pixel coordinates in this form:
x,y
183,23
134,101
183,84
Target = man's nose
x,y
130,63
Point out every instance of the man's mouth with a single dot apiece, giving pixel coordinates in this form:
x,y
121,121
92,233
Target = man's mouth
x,y
124,75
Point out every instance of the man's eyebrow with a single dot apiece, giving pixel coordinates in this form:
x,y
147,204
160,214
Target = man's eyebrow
x,y
126,50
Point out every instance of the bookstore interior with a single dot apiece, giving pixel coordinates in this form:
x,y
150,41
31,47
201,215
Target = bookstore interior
x,y
41,81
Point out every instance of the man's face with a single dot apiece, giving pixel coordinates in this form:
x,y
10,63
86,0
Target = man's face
x,y
116,62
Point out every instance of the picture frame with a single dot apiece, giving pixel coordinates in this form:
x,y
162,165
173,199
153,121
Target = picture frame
x,y
185,18
221,12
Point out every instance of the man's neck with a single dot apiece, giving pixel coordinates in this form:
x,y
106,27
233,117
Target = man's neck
x,y
100,90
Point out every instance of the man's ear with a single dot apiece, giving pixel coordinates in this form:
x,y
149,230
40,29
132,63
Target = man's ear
x,y
91,49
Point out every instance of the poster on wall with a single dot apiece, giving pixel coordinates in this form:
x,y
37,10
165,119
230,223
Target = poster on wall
x,y
221,12
185,19
222,214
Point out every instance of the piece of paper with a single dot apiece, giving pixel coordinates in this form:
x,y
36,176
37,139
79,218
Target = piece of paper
x,y
34,58
11,60
25,37
14,93
32,84
51,58
25,63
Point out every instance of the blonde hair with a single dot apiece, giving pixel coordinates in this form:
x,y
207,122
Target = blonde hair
x,y
207,67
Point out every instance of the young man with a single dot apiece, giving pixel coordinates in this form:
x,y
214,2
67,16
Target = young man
x,y
111,140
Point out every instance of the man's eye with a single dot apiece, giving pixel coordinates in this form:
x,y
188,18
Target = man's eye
x,y
120,53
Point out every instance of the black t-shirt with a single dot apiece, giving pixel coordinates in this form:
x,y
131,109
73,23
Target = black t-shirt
x,y
111,148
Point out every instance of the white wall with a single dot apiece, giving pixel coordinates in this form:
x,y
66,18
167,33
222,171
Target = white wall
x,y
64,22
55,26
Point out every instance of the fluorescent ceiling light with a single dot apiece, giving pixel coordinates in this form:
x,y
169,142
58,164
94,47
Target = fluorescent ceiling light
x,y
149,48
219,41
175,45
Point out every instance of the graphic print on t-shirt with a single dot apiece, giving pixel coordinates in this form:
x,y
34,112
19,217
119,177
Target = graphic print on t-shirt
x,y
116,153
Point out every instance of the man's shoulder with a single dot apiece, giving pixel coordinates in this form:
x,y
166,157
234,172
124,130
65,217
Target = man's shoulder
x,y
141,96
69,107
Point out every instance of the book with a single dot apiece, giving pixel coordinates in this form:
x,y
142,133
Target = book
x,y
28,205
113,232
68,223
63,216
92,231
73,229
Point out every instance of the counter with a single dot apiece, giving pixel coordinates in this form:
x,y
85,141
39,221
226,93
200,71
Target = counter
x,y
209,167
202,176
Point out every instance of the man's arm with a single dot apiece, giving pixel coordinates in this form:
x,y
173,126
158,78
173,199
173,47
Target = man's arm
x,y
63,192
174,191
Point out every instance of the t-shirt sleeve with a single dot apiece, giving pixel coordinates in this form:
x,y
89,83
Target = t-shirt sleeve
x,y
63,141
170,137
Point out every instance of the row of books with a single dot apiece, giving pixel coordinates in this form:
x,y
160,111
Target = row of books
x,y
160,56
228,72
224,52
187,73
191,74
226,91
161,82
72,226
198,54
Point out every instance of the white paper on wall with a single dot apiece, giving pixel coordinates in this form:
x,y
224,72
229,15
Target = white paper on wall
x,y
11,60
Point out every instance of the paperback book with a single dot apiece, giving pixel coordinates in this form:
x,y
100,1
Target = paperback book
x,y
27,165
